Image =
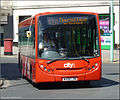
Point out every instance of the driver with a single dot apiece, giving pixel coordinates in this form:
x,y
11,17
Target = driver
x,y
46,43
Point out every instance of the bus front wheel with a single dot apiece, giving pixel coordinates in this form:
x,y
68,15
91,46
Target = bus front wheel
x,y
31,72
21,70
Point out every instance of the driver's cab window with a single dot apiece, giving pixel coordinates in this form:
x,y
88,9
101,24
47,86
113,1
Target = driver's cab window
x,y
46,46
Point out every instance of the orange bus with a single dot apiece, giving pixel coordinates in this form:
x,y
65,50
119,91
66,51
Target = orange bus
x,y
60,47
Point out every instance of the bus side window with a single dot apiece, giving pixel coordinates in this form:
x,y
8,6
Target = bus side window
x,y
33,40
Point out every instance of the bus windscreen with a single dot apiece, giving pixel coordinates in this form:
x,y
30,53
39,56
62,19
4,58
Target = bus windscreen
x,y
70,35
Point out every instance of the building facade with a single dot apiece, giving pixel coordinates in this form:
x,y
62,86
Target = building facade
x,y
23,9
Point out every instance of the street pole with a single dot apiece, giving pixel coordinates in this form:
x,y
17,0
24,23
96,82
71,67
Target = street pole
x,y
111,51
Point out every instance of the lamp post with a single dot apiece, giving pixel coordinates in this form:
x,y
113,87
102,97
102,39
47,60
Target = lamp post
x,y
111,17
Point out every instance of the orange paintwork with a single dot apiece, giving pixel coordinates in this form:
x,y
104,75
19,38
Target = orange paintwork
x,y
57,70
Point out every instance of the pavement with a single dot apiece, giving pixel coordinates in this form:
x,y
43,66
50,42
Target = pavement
x,y
105,57
106,54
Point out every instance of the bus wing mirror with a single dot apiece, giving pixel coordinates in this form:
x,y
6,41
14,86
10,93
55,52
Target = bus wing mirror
x,y
101,31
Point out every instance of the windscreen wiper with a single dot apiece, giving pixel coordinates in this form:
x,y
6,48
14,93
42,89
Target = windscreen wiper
x,y
48,62
85,59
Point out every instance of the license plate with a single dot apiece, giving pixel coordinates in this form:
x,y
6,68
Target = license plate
x,y
69,79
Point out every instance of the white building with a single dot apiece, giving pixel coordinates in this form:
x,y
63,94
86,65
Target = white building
x,y
30,8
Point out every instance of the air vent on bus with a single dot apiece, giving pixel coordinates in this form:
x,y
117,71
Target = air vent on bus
x,y
69,68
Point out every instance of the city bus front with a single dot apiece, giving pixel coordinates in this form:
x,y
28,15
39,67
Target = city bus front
x,y
68,48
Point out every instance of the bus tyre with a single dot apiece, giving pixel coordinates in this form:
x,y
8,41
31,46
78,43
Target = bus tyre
x,y
86,82
21,70
34,84
19,61
31,72
23,75
20,66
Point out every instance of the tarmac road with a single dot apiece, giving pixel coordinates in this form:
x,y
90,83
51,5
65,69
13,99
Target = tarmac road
x,y
17,88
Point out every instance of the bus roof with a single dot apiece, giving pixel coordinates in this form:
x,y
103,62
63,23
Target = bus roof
x,y
66,12
27,22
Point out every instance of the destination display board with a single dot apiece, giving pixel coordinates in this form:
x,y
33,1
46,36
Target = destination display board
x,y
67,20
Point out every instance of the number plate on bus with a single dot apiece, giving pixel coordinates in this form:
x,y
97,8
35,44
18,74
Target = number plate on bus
x,y
69,79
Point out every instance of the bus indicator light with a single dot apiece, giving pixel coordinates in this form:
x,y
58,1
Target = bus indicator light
x,y
48,70
89,68
93,67
45,68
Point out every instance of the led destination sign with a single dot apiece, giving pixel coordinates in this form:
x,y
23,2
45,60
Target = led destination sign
x,y
67,20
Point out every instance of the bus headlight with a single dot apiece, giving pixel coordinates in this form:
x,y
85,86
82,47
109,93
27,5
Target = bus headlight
x,y
41,66
96,64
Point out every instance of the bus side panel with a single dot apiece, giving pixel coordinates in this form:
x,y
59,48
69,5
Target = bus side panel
x,y
23,59
31,68
27,63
